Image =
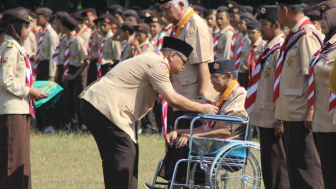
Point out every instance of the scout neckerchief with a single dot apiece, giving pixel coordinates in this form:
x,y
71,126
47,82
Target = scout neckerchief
x,y
90,42
39,44
136,53
235,35
214,34
251,61
56,52
215,42
162,34
291,39
100,57
29,77
239,53
321,53
253,83
124,48
84,30
181,24
67,54
220,101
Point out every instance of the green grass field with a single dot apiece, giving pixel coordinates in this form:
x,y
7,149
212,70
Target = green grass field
x,y
72,161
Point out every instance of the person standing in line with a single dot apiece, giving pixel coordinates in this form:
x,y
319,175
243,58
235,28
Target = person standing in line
x,y
16,102
291,96
260,106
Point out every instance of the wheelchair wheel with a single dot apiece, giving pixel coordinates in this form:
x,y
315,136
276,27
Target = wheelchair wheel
x,y
236,167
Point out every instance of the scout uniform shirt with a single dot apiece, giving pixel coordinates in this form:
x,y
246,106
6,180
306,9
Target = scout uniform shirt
x,y
292,103
60,57
234,106
196,33
48,46
259,43
77,50
322,121
224,43
133,86
262,114
93,55
239,38
126,50
13,88
30,45
111,49
85,34
153,40
146,46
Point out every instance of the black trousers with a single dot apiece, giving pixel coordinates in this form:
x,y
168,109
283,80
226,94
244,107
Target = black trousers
x,y
72,90
273,160
303,162
92,71
118,152
243,79
325,143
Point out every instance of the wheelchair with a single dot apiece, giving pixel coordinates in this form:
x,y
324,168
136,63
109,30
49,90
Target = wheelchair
x,y
228,164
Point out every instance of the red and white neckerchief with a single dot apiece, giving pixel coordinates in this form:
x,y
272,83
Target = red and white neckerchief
x,y
164,118
239,53
234,37
100,57
136,53
90,43
124,48
214,34
56,52
321,53
253,83
162,34
39,44
84,30
29,78
251,61
291,39
173,31
215,44
39,30
67,54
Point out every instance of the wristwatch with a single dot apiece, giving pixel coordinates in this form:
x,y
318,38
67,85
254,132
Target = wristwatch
x,y
200,97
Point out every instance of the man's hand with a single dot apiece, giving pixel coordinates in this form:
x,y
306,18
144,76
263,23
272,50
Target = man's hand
x,y
209,109
171,137
36,94
309,118
278,128
68,77
182,141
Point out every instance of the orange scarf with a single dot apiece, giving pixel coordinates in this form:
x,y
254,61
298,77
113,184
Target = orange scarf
x,y
183,21
226,93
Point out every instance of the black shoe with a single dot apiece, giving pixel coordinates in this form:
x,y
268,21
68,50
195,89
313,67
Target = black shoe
x,y
148,186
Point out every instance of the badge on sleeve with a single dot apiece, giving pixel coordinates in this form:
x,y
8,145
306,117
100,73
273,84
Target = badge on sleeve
x,y
219,51
165,69
289,62
9,45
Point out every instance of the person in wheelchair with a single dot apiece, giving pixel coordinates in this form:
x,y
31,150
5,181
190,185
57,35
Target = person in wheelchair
x,y
230,102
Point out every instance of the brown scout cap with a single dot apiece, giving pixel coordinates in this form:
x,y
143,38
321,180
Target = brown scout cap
x,y
89,12
69,22
143,28
115,9
60,15
14,16
44,11
130,12
78,16
326,5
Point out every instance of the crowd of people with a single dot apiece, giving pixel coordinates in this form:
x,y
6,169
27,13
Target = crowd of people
x,y
271,64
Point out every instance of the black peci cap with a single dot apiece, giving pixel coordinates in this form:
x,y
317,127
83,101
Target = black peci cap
x,y
178,45
69,22
163,1
222,66
291,2
16,15
253,25
269,12
143,28
44,11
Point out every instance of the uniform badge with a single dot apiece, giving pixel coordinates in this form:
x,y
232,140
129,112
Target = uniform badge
x,y
8,53
22,58
219,51
4,61
216,66
106,55
230,5
43,49
289,62
267,61
323,7
263,10
266,74
9,45
74,57
11,59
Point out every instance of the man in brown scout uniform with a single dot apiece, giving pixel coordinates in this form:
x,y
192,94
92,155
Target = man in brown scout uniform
x,y
125,33
260,106
141,43
234,11
138,81
291,95
193,82
250,52
30,44
155,28
223,39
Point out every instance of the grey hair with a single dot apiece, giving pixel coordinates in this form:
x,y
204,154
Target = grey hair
x,y
298,8
175,2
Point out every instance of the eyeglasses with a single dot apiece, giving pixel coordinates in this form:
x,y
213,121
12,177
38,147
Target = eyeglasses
x,y
184,62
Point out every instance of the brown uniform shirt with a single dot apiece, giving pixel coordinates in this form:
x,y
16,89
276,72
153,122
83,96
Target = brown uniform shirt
x,y
195,32
111,49
259,43
291,105
85,35
94,45
77,50
133,86
224,43
127,49
30,45
322,121
49,43
13,88
262,114
234,106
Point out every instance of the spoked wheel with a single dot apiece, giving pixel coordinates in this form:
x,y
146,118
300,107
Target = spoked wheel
x,y
237,167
